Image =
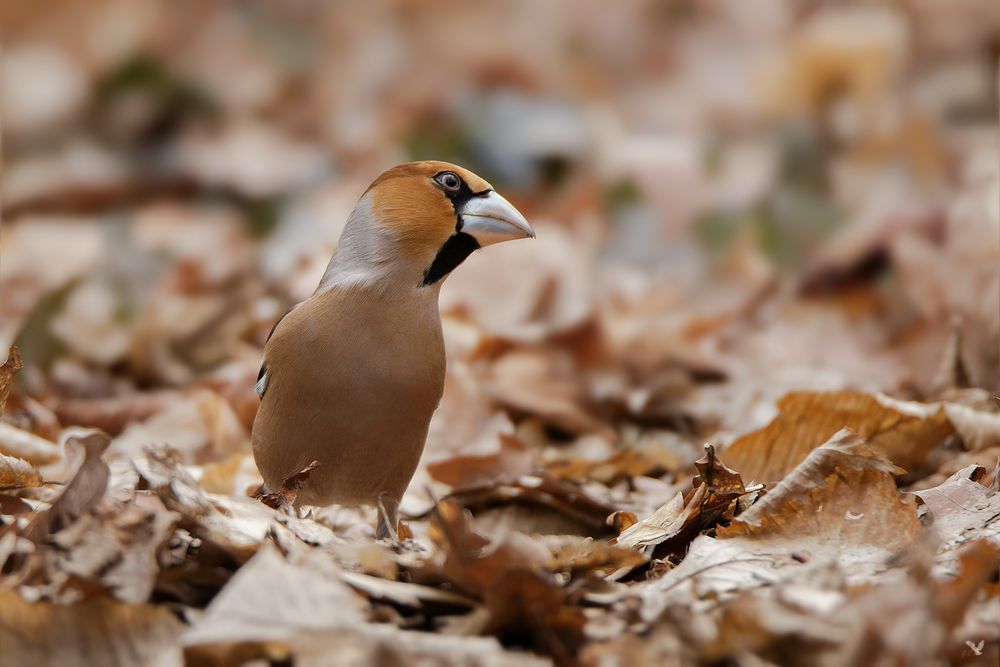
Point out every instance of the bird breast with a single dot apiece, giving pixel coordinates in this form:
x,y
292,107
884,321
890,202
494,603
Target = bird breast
x,y
353,383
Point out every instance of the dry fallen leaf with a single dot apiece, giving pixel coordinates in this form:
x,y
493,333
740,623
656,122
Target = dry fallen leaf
x,y
233,527
10,505
904,431
87,484
8,369
513,460
95,632
29,414
28,446
112,415
409,595
284,498
35,267
224,476
526,294
272,599
540,490
880,619
527,609
624,464
773,628
202,425
846,477
541,383
805,519
509,577
961,509
580,556
976,564
470,561
17,474
732,204
978,429
367,644
983,457
714,491
109,549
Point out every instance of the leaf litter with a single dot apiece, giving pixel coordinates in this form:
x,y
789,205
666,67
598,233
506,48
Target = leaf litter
x,y
736,405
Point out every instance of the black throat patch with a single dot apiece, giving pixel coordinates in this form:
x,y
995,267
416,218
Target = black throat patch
x,y
454,251
459,245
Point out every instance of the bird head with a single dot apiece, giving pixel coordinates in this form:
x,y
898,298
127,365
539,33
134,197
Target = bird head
x,y
421,220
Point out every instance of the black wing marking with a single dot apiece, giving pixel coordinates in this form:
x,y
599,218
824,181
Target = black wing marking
x,y
261,386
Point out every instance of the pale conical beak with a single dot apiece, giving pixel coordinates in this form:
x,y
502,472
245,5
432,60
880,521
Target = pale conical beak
x,y
491,219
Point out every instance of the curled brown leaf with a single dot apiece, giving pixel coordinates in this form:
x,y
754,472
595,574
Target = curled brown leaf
x,y
17,473
8,370
714,490
85,487
289,491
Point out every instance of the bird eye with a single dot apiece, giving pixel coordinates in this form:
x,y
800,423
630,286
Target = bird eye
x,y
449,180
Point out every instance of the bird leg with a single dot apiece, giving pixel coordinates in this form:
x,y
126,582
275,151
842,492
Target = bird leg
x,y
388,517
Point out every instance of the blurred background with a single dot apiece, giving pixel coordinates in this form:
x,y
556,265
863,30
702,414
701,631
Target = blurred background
x,y
732,200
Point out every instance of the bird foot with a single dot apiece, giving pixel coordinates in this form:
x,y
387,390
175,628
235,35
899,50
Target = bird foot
x,y
388,519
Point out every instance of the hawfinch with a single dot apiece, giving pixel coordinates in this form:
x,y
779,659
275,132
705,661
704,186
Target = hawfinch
x,y
352,375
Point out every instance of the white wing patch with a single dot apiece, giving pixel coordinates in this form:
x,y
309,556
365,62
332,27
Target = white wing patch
x,y
261,385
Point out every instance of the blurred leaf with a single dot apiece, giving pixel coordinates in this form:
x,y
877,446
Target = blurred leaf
x,y
35,339
26,445
94,632
170,100
85,487
513,460
961,509
262,217
619,195
540,490
440,141
717,229
11,365
17,474
271,599
791,222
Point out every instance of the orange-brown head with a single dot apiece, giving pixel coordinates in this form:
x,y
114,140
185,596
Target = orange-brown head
x,y
422,218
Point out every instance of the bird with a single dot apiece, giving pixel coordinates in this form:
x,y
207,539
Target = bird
x,y
352,375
